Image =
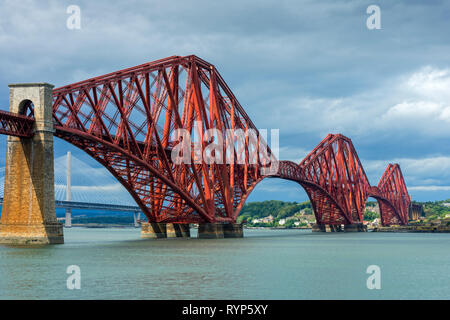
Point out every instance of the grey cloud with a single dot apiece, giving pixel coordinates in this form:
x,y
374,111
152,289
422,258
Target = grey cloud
x,y
306,67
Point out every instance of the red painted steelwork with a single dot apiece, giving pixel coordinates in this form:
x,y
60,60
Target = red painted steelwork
x,y
126,121
335,181
16,125
393,197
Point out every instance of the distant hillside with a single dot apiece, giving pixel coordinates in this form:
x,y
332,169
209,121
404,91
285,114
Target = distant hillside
x,y
278,209
435,209
281,210
254,211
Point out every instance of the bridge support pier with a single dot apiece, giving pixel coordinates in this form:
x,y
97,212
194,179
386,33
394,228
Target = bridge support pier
x,y
210,231
178,230
335,228
152,230
356,227
327,228
318,228
233,230
220,230
28,215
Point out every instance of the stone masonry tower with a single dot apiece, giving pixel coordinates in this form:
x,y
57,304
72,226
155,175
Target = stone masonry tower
x,y
28,214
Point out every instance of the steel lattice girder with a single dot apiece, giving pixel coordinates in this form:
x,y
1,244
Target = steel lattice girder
x,y
335,181
126,120
16,125
392,188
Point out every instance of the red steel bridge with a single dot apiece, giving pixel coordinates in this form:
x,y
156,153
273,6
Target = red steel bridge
x,y
126,121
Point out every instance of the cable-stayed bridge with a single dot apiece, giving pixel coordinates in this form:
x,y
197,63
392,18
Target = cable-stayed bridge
x,y
90,188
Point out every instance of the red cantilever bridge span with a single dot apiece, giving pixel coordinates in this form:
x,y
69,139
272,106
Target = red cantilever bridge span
x,y
126,121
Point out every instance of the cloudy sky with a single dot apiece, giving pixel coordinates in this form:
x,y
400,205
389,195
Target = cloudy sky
x,y
306,67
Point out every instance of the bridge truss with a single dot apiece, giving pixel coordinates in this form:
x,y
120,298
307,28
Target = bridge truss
x,y
130,122
338,187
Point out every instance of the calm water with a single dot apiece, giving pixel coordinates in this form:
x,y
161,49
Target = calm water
x,y
267,264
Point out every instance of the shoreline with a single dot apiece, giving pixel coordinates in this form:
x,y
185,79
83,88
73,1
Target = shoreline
x,y
106,225
414,229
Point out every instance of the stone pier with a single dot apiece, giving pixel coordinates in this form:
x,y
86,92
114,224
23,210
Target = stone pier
x,y
357,227
210,231
28,214
318,228
233,230
220,230
152,230
182,230
178,230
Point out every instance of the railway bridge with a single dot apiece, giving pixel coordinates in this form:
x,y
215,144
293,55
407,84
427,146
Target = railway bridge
x,y
134,121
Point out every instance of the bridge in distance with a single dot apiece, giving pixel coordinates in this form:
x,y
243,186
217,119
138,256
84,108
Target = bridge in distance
x,y
127,120
86,191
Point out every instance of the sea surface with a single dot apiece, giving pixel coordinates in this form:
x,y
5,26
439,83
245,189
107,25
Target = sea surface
x,y
266,264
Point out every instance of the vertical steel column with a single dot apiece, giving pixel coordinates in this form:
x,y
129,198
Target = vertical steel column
x,y
68,222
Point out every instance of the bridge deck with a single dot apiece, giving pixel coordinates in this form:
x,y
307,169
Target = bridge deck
x,y
92,206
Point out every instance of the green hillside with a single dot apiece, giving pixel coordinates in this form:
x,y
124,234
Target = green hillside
x,y
275,213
